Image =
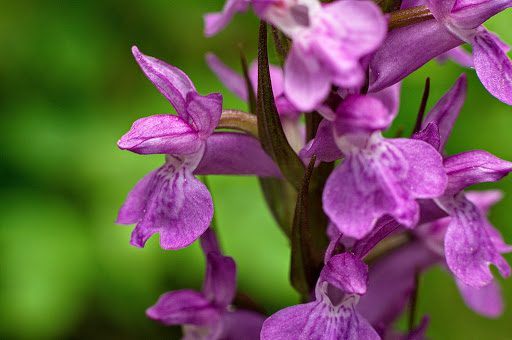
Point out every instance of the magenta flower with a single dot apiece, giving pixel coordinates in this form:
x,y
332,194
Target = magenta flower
x,y
456,22
328,44
378,176
170,200
332,315
207,314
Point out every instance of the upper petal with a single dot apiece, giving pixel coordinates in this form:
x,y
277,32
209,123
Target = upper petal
x,y
361,114
161,134
173,83
204,112
346,272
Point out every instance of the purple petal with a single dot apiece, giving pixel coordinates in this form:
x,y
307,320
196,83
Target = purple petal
x,y
346,272
173,83
215,22
492,66
440,8
484,200
407,49
361,114
359,24
385,226
231,79
204,112
486,300
390,97
241,324
469,249
384,178
447,109
459,55
323,145
426,177
134,207
391,282
469,14
306,82
209,242
430,135
178,206
184,307
219,285
472,167
232,153
161,134
318,320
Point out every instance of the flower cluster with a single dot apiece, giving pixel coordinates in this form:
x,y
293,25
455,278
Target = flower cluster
x,y
364,227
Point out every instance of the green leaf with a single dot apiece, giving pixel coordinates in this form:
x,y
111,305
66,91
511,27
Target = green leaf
x,y
281,45
305,263
280,197
250,89
272,137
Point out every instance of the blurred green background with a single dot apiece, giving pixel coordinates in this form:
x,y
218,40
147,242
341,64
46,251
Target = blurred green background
x,y
70,89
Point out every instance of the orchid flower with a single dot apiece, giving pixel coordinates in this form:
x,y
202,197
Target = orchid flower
x,y
207,314
171,200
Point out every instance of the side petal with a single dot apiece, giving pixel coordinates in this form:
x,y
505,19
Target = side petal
x,y
161,134
447,109
472,167
180,207
215,22
184,307
361,114
492,66
346,272
231,79
390,97
173,83
306,82
486,300
204,111
232,153
469,249
430,135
